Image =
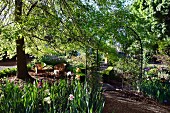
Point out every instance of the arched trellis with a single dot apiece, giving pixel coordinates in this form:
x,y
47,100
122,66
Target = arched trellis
x,y
138,38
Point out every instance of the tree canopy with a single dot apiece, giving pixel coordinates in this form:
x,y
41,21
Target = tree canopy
x,y
156,14
59,23
49,24
40,27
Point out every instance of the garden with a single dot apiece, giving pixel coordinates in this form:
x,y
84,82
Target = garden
x,y
64,90
84,56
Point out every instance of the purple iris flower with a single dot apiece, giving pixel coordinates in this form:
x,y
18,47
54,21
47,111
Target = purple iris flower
x,y
147,69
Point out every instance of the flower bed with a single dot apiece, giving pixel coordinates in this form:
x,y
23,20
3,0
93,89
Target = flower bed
x,y
59,97
157,89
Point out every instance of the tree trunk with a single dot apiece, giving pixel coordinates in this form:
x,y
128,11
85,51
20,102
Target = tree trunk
x,y
22,71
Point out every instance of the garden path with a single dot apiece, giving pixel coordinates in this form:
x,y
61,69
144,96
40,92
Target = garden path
x,y
125,101
118,101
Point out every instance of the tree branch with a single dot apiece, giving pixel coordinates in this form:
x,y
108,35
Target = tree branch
x,y
3,8
33,5
39,38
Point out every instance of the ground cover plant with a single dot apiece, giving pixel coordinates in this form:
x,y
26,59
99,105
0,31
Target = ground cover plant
x,y
156,83
62,97
8,72
156,89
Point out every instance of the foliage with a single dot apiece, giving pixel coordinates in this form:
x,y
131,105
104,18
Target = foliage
x,y
80,65
158,70
78,61
63,26
30,66
52,60
159,10
59,97
12,71
153,72
129,67
106,71
54,25
8,72
156,89
155,13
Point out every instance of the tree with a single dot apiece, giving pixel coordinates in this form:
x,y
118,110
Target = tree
x,y
29,22
157,14
22,72
61,24
47,22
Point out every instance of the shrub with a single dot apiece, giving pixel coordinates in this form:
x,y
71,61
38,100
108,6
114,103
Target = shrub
x,y
52,60
30,66
7,72
153,72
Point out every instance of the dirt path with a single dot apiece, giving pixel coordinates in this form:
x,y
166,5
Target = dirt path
x,y
119,102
